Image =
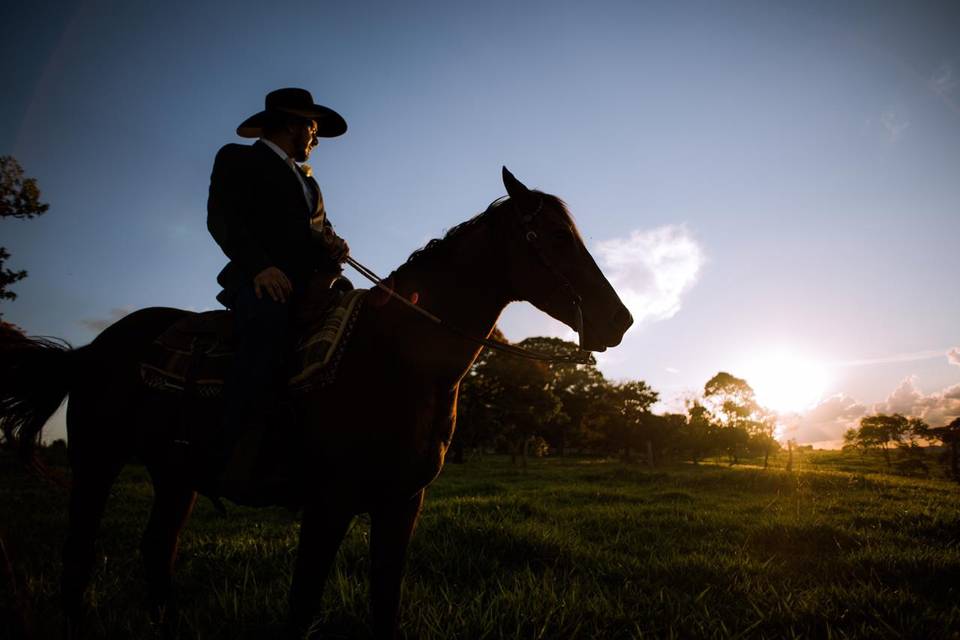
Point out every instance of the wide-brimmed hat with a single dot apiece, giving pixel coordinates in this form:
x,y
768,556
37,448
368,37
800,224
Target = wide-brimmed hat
x,y
330,124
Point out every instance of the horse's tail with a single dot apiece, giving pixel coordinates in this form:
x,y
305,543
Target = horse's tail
x,y
35,375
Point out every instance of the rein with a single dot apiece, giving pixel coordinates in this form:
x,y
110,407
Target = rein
x,y
580,358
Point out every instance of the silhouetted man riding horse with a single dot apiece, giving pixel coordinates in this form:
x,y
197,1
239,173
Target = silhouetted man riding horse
x,y
266,212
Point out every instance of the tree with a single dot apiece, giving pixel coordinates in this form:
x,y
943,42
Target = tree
x,y
623,416
699,435
479,422
665,435
732,401
509,398
853,442
19,198
745,423
880,430
761,429
949,436
576,387
636,398
525,401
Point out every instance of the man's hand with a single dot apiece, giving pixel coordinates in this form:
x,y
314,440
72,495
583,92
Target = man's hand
x,y
274,282
339,249
337,246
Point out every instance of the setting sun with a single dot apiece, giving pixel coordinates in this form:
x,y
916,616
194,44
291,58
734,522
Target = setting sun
x,y
784,381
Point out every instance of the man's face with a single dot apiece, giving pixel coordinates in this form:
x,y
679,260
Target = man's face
x,y
304,139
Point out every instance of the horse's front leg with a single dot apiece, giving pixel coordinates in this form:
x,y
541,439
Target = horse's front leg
x,y
321,532
172,503
392,527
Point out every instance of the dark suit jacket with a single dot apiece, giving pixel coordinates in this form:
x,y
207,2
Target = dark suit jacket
x,y
258,215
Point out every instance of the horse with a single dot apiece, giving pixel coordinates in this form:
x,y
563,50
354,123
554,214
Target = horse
x,y
379,432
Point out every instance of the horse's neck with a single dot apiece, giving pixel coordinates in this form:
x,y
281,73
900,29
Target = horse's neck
x,y
467,292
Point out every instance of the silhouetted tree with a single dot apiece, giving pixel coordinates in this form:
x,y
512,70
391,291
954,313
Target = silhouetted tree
x,y
479,421
882,431
19,198
699,435
662,434
731,400
624,412
853,442
879,431
602,409
576,387
745,423
508,398
761,429
949,436
665,435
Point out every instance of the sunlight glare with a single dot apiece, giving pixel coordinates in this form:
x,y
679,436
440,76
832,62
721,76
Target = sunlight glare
x,y
784,381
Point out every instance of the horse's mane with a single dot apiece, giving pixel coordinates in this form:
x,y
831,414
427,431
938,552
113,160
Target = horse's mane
x,y
434,246
496,209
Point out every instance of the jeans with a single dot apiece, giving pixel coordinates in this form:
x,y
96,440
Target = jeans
x,y
256,379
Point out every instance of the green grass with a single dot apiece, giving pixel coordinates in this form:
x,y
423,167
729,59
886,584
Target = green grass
x,y
568,549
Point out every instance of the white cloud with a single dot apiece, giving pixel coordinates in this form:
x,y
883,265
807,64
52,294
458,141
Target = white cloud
x,y
99,324
937,408
942,407
826,421
904,399
953,356
829,419
652,270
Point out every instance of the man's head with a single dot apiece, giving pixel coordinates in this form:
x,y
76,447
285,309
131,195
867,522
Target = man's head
x,y
293,122
296,135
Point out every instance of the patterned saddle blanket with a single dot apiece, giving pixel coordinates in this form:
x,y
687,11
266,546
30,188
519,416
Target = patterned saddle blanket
x,y
194,355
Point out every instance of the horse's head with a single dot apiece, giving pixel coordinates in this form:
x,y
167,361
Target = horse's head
x,y
551,268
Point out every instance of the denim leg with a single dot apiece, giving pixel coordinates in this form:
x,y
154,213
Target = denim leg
x,y
255,379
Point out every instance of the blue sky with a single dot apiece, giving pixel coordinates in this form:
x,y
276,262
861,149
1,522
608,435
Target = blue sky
x,y
771,186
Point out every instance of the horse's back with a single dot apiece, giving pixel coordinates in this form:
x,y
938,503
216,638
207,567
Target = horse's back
x,y
109,364
141,326
104,409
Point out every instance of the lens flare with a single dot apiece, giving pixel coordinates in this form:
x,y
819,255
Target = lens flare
x,y
784,381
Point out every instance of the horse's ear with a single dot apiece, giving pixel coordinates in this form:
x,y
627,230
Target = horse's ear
x,y
515,188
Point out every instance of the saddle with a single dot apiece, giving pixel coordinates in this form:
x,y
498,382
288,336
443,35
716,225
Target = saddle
x,y
193,356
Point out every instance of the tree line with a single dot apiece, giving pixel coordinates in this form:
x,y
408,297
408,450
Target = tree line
x,y
902,439
525,407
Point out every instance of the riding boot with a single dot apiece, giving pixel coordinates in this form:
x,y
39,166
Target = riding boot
x,y
239,479
252,475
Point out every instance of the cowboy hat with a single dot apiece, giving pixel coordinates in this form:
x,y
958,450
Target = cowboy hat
x,y
299,102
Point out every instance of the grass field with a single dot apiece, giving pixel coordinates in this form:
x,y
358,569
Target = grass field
x,y
568,549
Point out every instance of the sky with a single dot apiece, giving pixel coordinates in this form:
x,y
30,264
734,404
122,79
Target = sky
x,y
771,187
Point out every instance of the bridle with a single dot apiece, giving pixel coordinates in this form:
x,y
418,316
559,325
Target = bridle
x,y
526,220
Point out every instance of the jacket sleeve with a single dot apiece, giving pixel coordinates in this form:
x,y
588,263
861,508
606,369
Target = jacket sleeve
x,y
319,223
229,213
320,232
